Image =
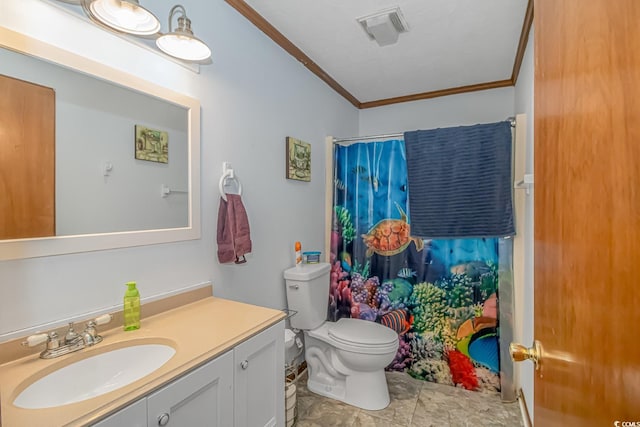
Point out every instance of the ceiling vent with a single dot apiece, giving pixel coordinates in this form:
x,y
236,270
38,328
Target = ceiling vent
x,y
384,26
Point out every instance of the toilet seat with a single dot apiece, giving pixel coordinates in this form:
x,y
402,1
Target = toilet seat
x,y
362,332
356,335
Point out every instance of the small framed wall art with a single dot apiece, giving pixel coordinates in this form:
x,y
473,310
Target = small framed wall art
x,y
298,159
151,144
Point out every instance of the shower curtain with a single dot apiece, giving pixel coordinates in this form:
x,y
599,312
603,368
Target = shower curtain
x,y
441,296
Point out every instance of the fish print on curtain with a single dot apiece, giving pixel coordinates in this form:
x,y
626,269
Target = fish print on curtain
x,y
439,295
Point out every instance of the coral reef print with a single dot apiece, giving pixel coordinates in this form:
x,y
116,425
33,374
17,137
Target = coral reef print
x,y
440,296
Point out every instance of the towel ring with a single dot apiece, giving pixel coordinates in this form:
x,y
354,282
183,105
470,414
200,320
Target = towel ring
x,y
228,174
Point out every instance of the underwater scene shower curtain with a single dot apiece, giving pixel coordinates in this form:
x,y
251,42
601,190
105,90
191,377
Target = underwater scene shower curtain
x,y
441,296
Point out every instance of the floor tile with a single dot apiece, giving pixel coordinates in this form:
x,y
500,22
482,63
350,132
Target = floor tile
x,y
323,411
403,392
414,403
431,420
364,419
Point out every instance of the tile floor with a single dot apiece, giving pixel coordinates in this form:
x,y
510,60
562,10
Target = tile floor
x,y
413,403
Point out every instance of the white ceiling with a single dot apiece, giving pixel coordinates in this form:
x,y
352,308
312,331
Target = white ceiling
x,y
450,43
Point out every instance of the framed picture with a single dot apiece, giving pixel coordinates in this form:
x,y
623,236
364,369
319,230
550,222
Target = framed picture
x,y
151,144
298,159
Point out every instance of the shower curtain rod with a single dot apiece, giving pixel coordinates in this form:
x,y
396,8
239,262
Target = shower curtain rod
x,y
512,120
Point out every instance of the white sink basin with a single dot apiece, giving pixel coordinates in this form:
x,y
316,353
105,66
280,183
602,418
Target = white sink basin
x,y
94,376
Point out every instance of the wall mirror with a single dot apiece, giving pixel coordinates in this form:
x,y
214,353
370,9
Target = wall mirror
x,y
124,163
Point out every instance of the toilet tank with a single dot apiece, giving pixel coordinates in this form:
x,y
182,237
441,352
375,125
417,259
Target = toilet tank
x,y
308,294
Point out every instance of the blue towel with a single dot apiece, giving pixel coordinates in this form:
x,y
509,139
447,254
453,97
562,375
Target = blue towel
x,y
459,181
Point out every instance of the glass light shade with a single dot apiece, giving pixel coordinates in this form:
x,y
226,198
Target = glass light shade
x,y
126,16
184,46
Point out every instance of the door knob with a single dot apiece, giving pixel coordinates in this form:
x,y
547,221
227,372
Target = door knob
x,y
519,353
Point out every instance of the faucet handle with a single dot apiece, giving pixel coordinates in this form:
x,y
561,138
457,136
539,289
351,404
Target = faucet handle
x,y
34,340
90,334
51,339
104,319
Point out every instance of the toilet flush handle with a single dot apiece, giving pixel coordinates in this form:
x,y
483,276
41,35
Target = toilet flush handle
x,y
294,286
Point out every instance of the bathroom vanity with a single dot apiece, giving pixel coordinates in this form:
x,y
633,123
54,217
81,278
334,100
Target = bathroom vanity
x,y
228,370
216,394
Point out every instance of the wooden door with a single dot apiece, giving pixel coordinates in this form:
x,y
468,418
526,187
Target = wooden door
x,y
587,211
27,157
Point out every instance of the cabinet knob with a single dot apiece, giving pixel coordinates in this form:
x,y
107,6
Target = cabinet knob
x,y
244,364
163,419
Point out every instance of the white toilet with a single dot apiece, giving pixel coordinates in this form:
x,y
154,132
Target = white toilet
x,y
345,359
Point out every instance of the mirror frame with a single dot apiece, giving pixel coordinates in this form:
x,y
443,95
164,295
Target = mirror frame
x,y
58,245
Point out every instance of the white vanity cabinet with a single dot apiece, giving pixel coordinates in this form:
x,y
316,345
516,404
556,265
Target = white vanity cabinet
x,y
203,397
134,415
259,379
244,387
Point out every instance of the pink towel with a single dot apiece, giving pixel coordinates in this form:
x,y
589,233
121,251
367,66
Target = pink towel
x,y
233,236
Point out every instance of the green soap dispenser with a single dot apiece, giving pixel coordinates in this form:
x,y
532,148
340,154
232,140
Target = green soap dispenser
x,y
131,309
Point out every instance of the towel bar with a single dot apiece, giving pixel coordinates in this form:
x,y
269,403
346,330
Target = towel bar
x,y
228,173
165,190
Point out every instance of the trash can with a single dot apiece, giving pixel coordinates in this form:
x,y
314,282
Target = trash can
x,y
290,403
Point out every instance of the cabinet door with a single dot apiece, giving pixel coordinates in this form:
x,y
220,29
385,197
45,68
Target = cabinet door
x,y
203,397
259,379
134,415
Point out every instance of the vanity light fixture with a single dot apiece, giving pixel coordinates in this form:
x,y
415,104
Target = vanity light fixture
x,y
181,43
126,16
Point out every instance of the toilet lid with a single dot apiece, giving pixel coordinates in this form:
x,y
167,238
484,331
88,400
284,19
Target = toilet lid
x,y
362,332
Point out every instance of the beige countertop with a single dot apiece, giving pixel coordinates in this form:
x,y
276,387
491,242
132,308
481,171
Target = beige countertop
x,y
199,331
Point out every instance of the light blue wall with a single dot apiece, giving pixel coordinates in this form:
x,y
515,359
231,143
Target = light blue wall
x,y
252,97
486,106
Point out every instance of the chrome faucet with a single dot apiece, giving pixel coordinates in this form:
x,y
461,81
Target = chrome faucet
x,y
72,341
